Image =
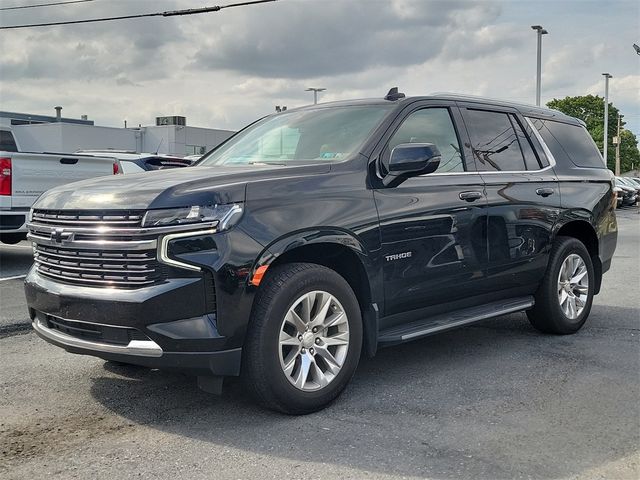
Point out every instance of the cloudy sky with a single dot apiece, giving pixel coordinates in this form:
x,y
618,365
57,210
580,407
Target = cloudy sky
x,y
223,70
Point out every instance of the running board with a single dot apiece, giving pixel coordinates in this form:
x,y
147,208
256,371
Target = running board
x,y
448,321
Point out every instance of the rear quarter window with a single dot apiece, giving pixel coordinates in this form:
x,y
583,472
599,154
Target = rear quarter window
x,y
7,143
569,143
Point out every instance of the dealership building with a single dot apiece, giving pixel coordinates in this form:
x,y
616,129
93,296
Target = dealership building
x,y
170,135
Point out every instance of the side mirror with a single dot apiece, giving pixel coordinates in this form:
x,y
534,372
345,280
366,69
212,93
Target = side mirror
x,y
410,159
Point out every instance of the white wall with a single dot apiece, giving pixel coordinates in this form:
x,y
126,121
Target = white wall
x,y
68,138
177,138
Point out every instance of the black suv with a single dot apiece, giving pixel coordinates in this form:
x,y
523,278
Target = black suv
x,y
316,234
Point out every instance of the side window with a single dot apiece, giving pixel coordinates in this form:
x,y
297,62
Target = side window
x,y
431,125
130,167
569,142
494,141
531,159
7,143
532,133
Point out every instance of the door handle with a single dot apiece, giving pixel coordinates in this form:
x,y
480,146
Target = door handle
x,y
544,192
470,196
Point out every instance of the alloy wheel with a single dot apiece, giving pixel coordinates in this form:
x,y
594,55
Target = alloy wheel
x,y
314,340
573,286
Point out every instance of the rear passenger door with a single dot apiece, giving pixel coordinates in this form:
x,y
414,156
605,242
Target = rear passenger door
x,y
522,194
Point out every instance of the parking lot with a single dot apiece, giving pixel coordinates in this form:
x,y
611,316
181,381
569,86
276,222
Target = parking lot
x,y
497,400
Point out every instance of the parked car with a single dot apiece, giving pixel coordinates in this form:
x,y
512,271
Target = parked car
x,y
25,175
632,182
619,193
630,194
316,234
133,162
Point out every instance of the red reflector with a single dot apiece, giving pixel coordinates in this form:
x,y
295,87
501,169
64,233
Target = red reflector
x,y
259,275
116,168
5,176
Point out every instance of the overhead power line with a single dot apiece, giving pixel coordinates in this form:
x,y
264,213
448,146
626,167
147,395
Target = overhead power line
x,y
171,13
36,5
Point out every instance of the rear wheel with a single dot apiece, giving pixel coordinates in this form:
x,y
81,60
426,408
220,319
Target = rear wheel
x,y
565,296
304,339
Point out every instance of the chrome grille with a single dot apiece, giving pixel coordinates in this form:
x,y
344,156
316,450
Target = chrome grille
x,y
60,218
107,268
99,249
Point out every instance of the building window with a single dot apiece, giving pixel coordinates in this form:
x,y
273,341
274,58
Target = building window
x,y
195,150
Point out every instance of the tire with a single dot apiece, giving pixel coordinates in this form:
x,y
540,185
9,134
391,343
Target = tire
x,y
549,315
270,368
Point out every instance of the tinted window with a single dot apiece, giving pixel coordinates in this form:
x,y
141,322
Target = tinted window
x,y
569,142
130,167
532,134
431,125
530,157
7,143
494,141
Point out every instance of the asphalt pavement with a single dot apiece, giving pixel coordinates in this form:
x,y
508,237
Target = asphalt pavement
x,y
492,401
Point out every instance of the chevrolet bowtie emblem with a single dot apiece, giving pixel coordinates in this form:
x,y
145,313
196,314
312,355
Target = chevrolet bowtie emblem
x,y
60,236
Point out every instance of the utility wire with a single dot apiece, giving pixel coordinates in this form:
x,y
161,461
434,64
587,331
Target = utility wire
x,y
171,13
44,4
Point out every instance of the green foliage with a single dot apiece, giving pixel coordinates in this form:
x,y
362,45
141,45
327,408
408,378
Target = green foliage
x,y
590,109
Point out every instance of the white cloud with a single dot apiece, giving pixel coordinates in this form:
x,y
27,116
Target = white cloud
x,y
225,69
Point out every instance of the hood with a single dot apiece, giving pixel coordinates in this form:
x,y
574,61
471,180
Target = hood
x,y
167,188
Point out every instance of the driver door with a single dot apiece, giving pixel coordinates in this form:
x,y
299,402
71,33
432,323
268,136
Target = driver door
x,y
433,226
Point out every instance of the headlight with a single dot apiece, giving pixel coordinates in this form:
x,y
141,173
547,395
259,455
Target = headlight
x,y
221,216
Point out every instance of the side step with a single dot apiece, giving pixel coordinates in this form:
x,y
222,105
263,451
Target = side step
x,y
447,321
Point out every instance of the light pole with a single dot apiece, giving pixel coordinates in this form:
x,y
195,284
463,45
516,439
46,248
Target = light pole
x,y
540,31
315,93
607,76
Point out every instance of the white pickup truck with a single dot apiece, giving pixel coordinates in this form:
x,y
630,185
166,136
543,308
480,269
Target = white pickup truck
x,y
24,176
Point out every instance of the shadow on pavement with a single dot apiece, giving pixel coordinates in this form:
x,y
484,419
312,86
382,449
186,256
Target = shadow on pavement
x,y
493,401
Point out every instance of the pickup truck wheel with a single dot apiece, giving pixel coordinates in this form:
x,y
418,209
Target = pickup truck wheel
x,y
564,298
304,339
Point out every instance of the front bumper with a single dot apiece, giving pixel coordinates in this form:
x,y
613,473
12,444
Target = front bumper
x,y
13,221
173,328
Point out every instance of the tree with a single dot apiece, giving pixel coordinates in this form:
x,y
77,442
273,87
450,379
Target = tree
x,y
629,153
590,109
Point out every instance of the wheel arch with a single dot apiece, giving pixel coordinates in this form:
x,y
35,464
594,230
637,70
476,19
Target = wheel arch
x,y
340,251
583,231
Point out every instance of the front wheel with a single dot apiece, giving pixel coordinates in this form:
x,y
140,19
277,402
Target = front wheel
x,y
304,339
565,296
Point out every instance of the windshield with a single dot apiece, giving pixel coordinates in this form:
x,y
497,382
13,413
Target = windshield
x,y
313,135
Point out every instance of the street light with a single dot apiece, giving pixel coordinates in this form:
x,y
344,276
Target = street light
x,y
315,93
607,76
636,48
540,31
